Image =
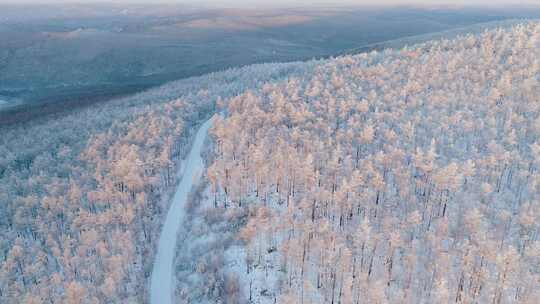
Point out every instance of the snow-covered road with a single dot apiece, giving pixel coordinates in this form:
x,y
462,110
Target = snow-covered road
x,y
162,289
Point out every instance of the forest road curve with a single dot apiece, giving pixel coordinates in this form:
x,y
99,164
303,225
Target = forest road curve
x,y
162,289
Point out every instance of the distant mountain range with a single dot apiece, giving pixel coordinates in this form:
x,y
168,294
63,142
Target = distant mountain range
x,y
66,54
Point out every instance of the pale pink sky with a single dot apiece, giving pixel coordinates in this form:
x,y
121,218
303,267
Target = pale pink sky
x,y
251,3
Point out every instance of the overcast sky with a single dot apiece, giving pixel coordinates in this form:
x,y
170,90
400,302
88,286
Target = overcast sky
x,y
254,3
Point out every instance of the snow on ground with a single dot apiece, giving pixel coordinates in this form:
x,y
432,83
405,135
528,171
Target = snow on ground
x,y
7,102
161,282
205,234
261,284
212,260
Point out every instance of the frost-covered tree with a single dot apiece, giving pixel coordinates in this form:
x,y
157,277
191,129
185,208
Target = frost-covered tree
x,y
396,176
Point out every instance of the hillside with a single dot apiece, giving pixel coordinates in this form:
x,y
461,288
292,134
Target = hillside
x,y
82,196
63,53
404,176
401,176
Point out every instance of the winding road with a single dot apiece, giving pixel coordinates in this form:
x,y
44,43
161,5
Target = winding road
x,y
162,289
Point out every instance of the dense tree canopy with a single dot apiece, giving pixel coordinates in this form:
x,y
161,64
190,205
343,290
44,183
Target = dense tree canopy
x,y
81,196
407,176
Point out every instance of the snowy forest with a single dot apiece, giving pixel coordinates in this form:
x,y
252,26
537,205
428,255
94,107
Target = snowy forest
x,y
395,176
81,197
